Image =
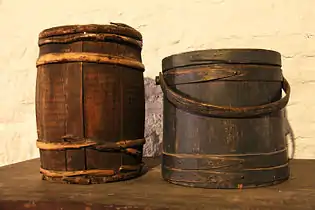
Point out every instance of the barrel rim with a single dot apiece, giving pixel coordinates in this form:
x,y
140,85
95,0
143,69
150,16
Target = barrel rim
x,y
114,28
223,56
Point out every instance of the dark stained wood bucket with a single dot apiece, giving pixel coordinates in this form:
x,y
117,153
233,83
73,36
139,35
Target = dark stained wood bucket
x,y
90,105
223,118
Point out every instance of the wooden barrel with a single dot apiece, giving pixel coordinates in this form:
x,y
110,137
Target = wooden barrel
x,y
223,118
90,107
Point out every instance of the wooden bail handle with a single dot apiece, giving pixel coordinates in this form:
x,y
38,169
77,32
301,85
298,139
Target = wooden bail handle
x,y
197,107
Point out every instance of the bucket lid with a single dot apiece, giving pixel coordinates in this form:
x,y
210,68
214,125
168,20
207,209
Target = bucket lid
x,y
113,28
217,56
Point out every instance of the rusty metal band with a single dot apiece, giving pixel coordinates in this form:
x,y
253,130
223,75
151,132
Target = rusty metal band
x,y
91,172
201,108
89,37
223,72
88,57
92,143
230,162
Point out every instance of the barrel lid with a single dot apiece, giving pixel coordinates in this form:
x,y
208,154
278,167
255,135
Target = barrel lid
x,y
212,56
114,28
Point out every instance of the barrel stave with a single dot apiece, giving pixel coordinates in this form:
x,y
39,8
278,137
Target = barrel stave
x,y
90,91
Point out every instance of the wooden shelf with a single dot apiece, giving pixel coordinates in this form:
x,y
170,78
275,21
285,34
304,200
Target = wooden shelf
x,y
21,187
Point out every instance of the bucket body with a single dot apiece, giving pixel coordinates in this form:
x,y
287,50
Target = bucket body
x,y
223,118
90,103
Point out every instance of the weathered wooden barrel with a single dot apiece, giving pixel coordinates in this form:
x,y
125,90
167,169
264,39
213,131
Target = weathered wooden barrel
x,y
90,107
223,118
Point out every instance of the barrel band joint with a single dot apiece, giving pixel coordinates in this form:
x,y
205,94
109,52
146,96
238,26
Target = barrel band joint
x,y
227,162
92,172
88,57
68,143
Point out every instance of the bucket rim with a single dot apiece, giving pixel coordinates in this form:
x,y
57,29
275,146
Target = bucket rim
x,y
257,56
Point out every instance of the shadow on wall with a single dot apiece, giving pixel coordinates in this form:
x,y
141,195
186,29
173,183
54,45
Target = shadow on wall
x,y
153,118
289,135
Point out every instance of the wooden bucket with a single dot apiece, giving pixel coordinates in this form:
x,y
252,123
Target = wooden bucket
x,y
90,107
223,118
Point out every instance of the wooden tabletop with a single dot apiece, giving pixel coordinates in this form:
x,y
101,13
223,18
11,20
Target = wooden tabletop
x,y
21,187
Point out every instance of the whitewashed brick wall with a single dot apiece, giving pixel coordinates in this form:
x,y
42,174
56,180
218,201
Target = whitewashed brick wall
x,y
168,26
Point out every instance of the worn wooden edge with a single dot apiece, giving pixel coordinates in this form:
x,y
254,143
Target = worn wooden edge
x,y
182,155
86,142
89,37
221,56
150,192
60,146
113,28
71,205
92,172
52,58
216,179
223,67
95,172
284,165
225,163
239,186
98,176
